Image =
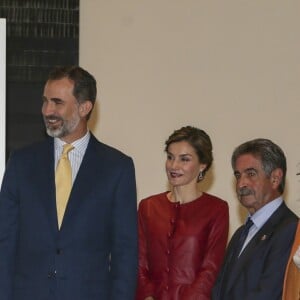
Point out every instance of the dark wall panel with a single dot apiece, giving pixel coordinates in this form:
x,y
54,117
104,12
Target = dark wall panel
x,y
40,35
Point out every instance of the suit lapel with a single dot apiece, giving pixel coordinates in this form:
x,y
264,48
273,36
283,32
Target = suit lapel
x,y
45,181
259,240
229,263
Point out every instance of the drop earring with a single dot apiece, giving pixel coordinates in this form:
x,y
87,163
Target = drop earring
x,y
200,176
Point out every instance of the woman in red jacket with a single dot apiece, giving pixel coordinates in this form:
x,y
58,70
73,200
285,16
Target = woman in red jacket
x,y
182,232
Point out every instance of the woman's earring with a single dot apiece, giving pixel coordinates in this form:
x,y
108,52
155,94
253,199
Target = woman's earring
x,y
200,176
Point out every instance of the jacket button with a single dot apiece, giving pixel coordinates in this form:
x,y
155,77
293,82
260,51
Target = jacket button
x,y
167,270
168,252
58,251
52,274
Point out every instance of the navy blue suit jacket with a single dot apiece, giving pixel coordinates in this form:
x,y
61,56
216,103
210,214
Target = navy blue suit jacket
x,y
258,273
94,254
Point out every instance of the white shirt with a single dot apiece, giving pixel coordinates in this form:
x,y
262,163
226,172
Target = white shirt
x,y
75,155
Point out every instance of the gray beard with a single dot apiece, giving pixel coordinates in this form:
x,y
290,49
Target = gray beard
x,y
66,128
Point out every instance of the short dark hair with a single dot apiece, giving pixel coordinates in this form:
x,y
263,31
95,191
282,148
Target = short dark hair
x,y
85,85
198,139
270,155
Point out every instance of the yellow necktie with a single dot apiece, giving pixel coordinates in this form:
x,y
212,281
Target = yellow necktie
x,y
63,182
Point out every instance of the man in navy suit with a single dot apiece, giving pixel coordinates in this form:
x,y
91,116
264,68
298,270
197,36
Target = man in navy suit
x,y
254,267
92,254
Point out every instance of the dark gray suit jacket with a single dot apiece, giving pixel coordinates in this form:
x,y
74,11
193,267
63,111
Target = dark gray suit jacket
x,y
94,255
258,273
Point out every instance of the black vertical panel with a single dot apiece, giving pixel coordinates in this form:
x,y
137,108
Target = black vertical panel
x,y
40,35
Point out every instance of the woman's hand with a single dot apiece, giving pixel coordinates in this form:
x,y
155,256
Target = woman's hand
x,y
149,298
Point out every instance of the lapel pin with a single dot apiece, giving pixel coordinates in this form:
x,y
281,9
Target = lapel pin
x,y
264,237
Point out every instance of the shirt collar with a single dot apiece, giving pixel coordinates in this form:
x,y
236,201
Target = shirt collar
x,y
80,144
260,217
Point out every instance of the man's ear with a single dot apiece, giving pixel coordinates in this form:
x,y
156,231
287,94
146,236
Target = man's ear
x,y
85,108
276,177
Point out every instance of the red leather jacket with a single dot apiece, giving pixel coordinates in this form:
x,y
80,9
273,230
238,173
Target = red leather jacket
x,y
181,247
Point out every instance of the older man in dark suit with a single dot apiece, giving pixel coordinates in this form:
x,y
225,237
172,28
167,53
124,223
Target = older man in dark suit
x,y
68,221
257,254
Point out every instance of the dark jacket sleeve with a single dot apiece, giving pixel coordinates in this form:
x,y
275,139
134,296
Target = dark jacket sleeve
x,y
9,208
124,253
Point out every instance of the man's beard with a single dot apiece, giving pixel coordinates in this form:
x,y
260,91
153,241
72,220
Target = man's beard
x,y
64,129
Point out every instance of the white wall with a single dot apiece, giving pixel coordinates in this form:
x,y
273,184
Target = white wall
x,y
2,94
229,67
